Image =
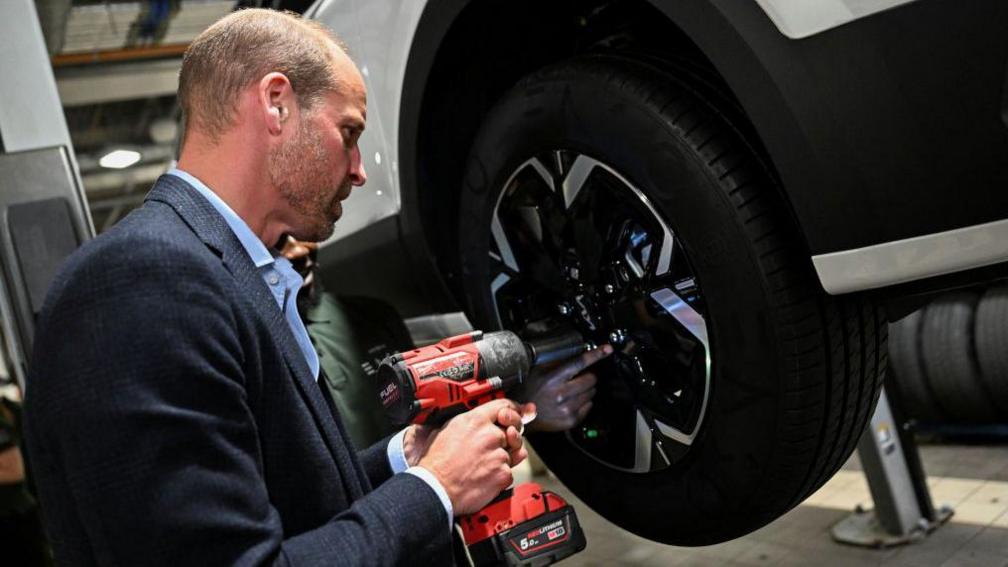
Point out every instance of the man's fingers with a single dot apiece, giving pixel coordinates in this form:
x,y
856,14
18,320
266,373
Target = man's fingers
x,y
491,409
582,412
528,408
578,384
579,363
593,356
581,399
508,417
513,438
518,456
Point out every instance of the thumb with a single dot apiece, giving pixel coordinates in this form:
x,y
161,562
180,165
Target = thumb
x,y
491,409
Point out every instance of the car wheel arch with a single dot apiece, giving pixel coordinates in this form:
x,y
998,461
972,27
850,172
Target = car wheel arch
x,y
430,163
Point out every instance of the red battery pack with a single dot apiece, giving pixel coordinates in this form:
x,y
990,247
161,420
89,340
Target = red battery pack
x,y
525,526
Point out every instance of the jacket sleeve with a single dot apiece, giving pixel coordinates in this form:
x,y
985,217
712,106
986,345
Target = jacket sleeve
x,y
143,439
375,461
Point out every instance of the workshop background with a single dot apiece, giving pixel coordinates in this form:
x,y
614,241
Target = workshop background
x,y
116,65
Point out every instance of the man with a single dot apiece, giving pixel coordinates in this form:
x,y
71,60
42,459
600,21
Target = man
x,y
353,334
173,411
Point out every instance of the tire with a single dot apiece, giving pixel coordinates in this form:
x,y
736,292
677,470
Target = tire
x,y
991,332
905,365
949,360
793,373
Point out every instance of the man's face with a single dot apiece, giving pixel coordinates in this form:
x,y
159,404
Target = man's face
x,y
317,167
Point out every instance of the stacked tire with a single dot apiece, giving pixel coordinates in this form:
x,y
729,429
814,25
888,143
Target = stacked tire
x,y
950,359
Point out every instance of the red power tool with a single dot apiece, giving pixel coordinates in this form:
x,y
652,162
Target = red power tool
x,y
525,525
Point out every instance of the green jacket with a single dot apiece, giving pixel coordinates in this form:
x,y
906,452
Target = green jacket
x,y
352,335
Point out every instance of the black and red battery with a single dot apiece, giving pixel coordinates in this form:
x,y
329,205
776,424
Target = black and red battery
x,y
524,526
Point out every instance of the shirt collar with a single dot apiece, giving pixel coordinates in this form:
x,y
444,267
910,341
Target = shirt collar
x,y
254,247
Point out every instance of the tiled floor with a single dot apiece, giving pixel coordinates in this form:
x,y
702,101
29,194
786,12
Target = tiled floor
x,y
972,479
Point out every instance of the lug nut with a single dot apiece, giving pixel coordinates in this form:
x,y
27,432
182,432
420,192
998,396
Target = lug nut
x,y
564,309
617,337
609,288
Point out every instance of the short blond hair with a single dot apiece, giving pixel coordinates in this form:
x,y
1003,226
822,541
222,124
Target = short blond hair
x,y
241,48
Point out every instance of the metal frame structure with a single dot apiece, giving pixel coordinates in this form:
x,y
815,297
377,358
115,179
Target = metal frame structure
x,y
43,210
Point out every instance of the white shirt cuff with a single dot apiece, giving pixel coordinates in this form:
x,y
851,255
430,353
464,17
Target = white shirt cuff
x,y
396,453
432,481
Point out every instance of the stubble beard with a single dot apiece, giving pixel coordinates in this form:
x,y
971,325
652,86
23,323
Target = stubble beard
x,y
302,172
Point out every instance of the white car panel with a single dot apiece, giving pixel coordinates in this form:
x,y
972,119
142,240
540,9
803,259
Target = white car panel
x,y
912,259
380,35
31,116
799,19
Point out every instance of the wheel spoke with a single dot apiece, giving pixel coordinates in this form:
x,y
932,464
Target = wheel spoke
x,y
503,245
658,446
495,286
523,230
664,252
543,172
694,324
576,177
500,238
643,445
682,312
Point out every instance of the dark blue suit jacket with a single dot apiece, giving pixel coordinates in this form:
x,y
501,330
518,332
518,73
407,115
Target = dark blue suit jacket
x,y
172,420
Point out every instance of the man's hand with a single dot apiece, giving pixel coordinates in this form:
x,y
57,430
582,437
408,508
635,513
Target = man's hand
x,y
11,462
418,438
563,393
473,453
11,466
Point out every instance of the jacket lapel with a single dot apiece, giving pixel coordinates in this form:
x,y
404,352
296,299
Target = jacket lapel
x,y
211,228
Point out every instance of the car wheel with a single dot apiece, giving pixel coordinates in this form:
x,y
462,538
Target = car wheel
x,y
616,198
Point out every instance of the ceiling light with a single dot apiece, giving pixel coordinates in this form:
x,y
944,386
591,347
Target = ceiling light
x,y
119,159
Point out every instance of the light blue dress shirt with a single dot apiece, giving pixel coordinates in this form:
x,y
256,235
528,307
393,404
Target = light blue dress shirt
x,y
284,282
281,278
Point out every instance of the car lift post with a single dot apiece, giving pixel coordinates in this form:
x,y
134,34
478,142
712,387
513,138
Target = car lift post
x,y
903,510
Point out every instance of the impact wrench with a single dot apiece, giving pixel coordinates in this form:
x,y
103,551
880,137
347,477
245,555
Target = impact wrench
x,y
525,525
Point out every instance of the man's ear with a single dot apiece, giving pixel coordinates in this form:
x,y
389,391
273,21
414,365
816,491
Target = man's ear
x,y
276,100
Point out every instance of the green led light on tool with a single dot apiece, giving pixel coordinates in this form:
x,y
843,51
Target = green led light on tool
x,y
591,433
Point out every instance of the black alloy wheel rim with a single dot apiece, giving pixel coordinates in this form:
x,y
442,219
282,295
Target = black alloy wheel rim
x,y
574,243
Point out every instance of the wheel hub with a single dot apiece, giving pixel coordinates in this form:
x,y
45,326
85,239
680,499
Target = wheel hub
x,y
581,246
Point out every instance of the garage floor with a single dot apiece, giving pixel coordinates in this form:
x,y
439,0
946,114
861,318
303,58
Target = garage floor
x,y
972,479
